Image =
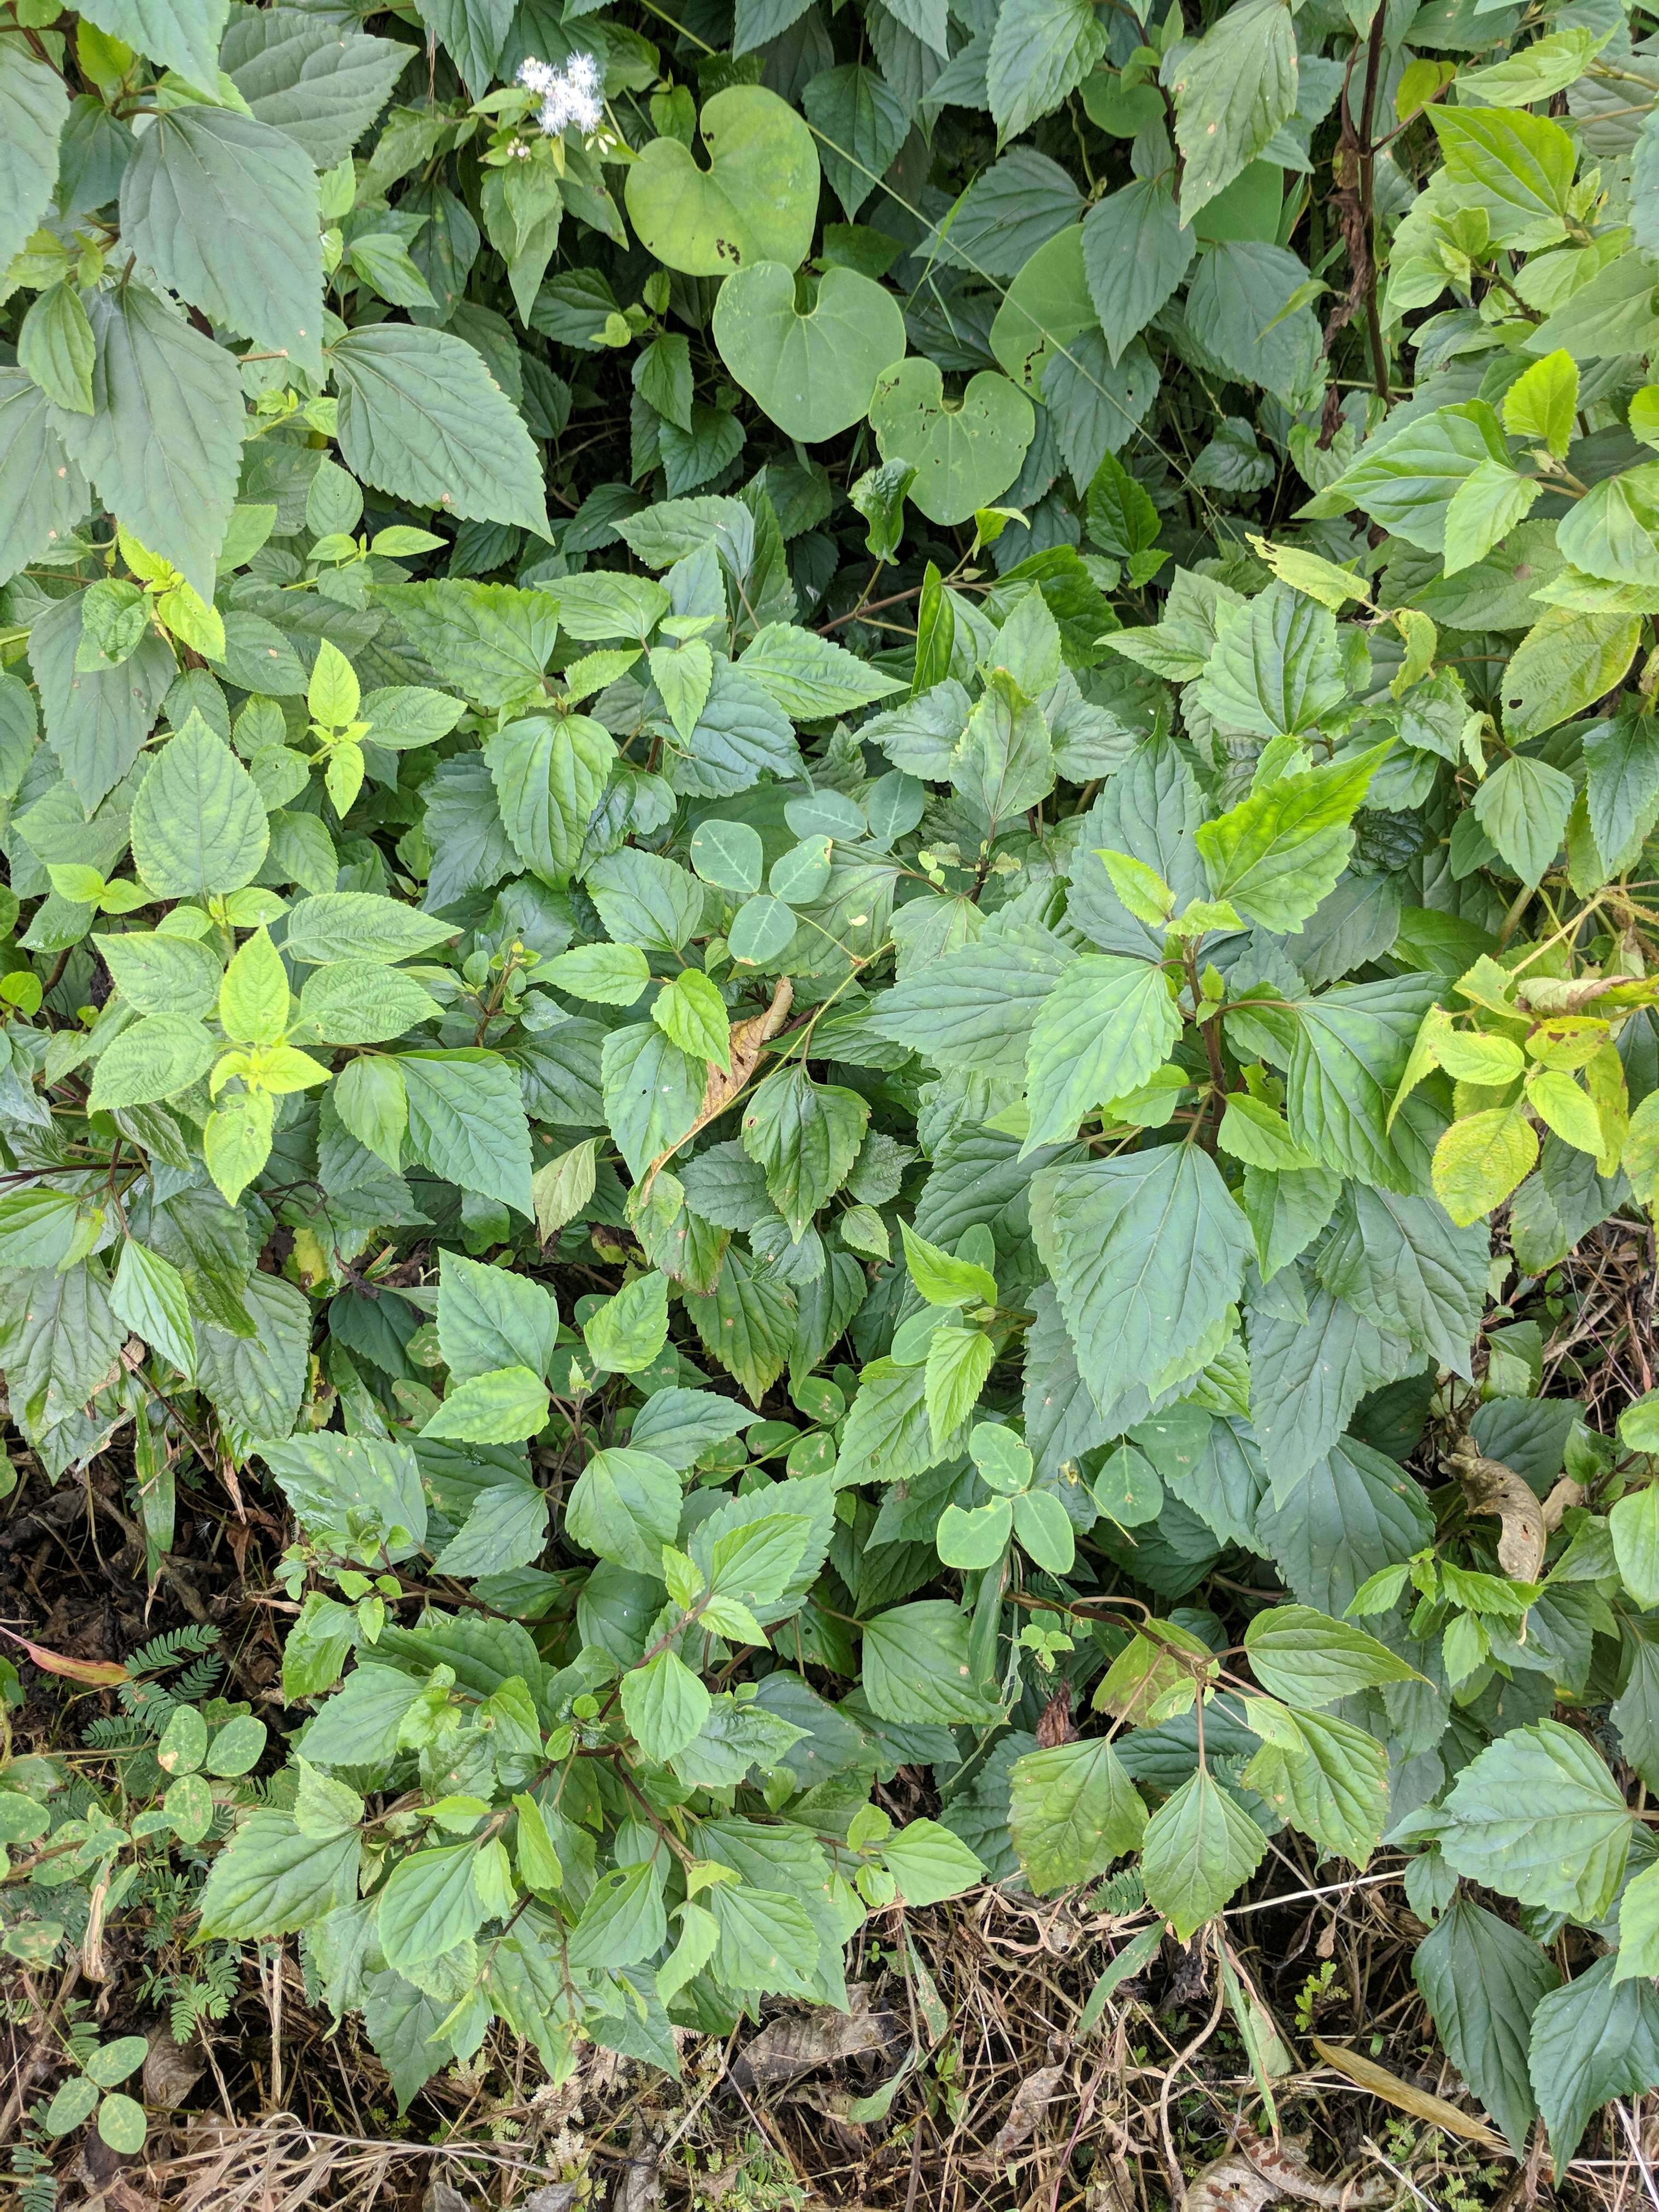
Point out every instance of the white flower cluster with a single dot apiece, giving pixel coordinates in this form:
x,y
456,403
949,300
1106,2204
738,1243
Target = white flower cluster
x,y
569,95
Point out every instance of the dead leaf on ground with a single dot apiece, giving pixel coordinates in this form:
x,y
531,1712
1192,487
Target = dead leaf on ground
x,y
170,2073
795,2043
1249,2179
97,1673
1032,2100
1417,2102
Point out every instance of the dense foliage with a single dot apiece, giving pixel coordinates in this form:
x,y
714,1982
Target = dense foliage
x,y
857,1090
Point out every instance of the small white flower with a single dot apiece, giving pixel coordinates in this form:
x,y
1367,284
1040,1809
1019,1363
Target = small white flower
x,y
570,95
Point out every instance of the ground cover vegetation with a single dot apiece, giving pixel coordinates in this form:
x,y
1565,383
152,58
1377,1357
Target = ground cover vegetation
x,y
830,960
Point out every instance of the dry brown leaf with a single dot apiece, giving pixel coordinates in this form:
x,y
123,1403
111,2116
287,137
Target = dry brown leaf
x,y
1031,2100
748,1040
1417,2102
1490,1487
1566,1494
97,1673
797,2042
1248,2180
170,2073
1054,1721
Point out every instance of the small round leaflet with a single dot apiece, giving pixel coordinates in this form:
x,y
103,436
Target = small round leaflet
x,y
762,930
966,451
800,875
757,201
1128,1489
814,372
729,855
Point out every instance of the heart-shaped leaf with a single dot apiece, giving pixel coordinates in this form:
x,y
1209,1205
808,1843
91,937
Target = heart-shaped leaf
x,y
813,373
965,451
757,201
1045,309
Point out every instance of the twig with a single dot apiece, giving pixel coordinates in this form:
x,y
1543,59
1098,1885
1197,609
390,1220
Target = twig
x,y
1296,1896
1404,2179
1642,2166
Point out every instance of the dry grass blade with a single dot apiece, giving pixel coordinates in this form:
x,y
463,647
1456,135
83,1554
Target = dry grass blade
x,y
1368,2075
280,2163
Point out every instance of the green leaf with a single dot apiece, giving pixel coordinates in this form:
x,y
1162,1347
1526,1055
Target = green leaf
x,y
665,1704
1233,91
549,777
1308,1659
1071,1811
1199,1847
862,123
466,1123
1633,1525
1276,856
198,824
624,1508
33,113
806,1136
813,374
358,926
1003,763
916,1665
810,678
422,418
122,2124
957,1365
163,445
1349,1053
149,1296
43,495
1485,507
1593,2039
430,1903
223,209
767,1941
1518,166
966,454
930,1863
56,347
497,1408
1543,400
1276,670
1622,786
1407,483
1522,807
755,203
1483,1981
1098,1035
625,1333
156,1058
270,1879
1327,1777
747,1322
1410,1270
1538,1817
184,34
1146,1252
1135,254
1039,51
1566,661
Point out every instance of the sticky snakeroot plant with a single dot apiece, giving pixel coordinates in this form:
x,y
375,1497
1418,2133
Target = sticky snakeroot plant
x,y
938,1059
